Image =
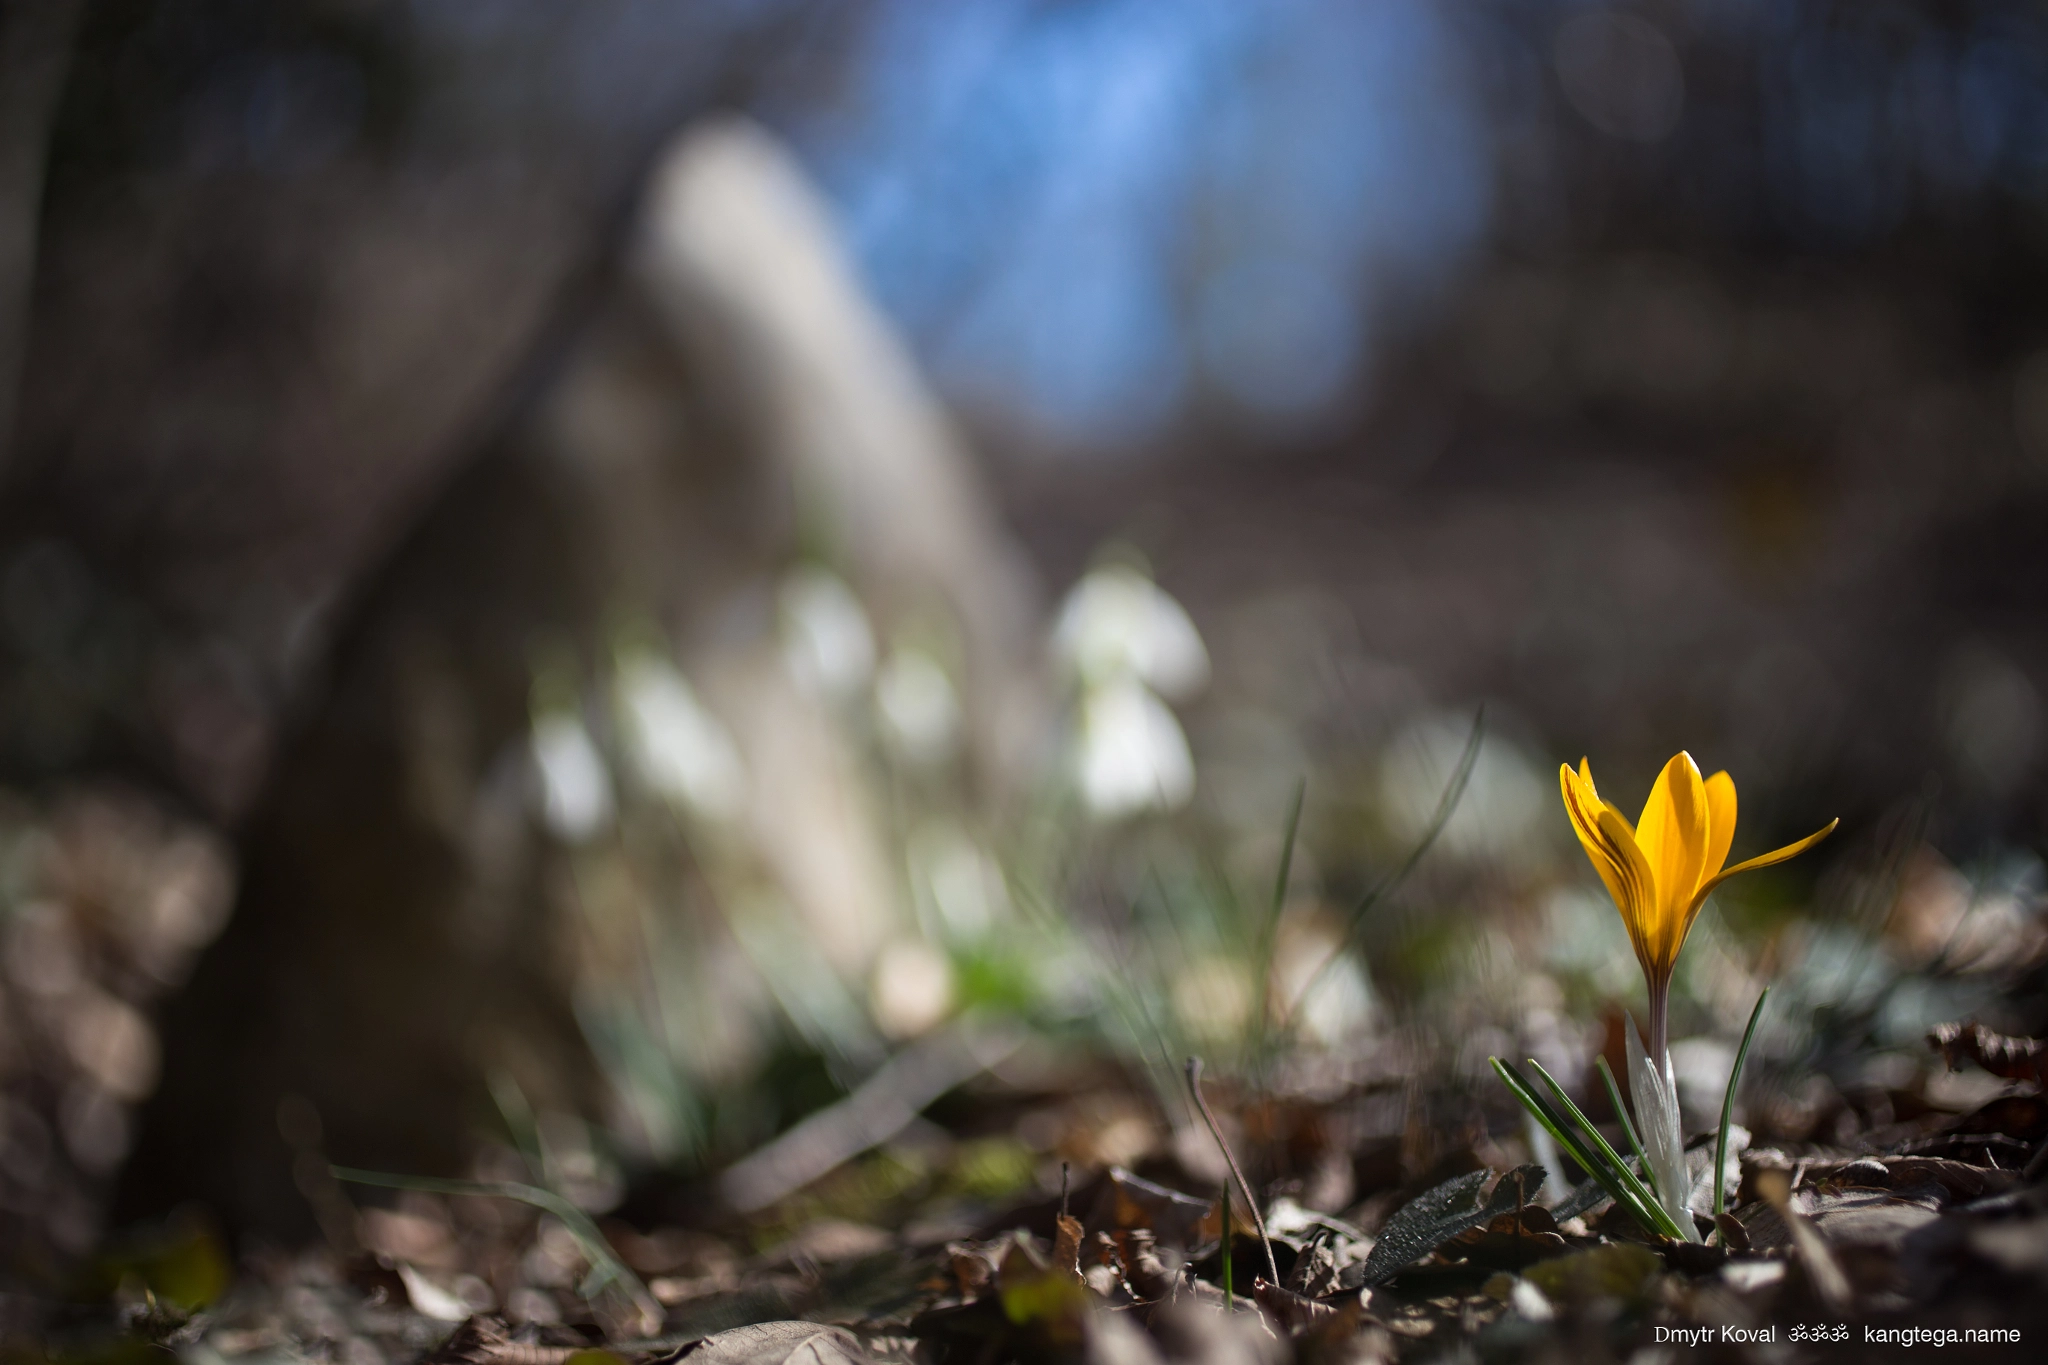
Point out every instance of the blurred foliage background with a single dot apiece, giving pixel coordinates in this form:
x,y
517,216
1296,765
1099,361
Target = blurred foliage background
x,y
636,569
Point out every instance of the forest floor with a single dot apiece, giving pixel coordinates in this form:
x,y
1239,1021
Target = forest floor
x,y
1925,1231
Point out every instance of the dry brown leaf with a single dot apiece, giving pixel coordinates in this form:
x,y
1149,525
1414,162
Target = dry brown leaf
x,y
973,1270
2015,1059
1823,1273
1133,1202
1143,1268
1293,1311
1959,1181
774,1343
1349,1336
1066,1246
486,1339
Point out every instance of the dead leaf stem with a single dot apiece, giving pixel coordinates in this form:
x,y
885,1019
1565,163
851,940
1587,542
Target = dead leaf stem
x,y
1243,1186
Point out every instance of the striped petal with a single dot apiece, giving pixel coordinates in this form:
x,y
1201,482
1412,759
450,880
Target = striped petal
x,y
1638,910
1611,847
1582,804
1586,776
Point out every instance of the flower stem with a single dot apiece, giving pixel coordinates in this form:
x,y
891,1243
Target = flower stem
x,y
1660,1023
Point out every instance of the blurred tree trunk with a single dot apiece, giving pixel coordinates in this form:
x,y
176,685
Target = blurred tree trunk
x,y
35,51
733,403
390,939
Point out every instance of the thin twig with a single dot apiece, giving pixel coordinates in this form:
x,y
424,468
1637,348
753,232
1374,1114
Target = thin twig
x,y
1521,1202
1230,1158
1223,1252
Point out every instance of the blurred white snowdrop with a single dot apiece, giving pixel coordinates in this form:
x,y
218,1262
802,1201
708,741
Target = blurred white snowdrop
x,y
1127,644
1133,755
965,885
826,639
1118,623
920,710
1337,1004
677,747
912,988
575,785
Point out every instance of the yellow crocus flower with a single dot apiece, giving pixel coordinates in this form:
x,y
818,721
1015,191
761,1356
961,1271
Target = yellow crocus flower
x,y
1661,869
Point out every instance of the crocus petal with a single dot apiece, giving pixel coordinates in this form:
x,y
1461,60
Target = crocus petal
x,y
1582,804
1776,855
1611,847
1593,792
1661,870
1720,790
1673,837
1639,906
1720,822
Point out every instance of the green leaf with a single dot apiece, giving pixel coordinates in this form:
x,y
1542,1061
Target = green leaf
x,y
1635,1144
1664,1222
1430,1219
1553,1122
1597,1158
1587,1196
1728,1106
1656,1101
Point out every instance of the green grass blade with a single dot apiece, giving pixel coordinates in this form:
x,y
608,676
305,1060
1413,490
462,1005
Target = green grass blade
x,y
1552,1122
1620,1183
1446,806
1268,940
1578,1117
1627,1194
1728,1104
1663,1222
1287,848
1635,1144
